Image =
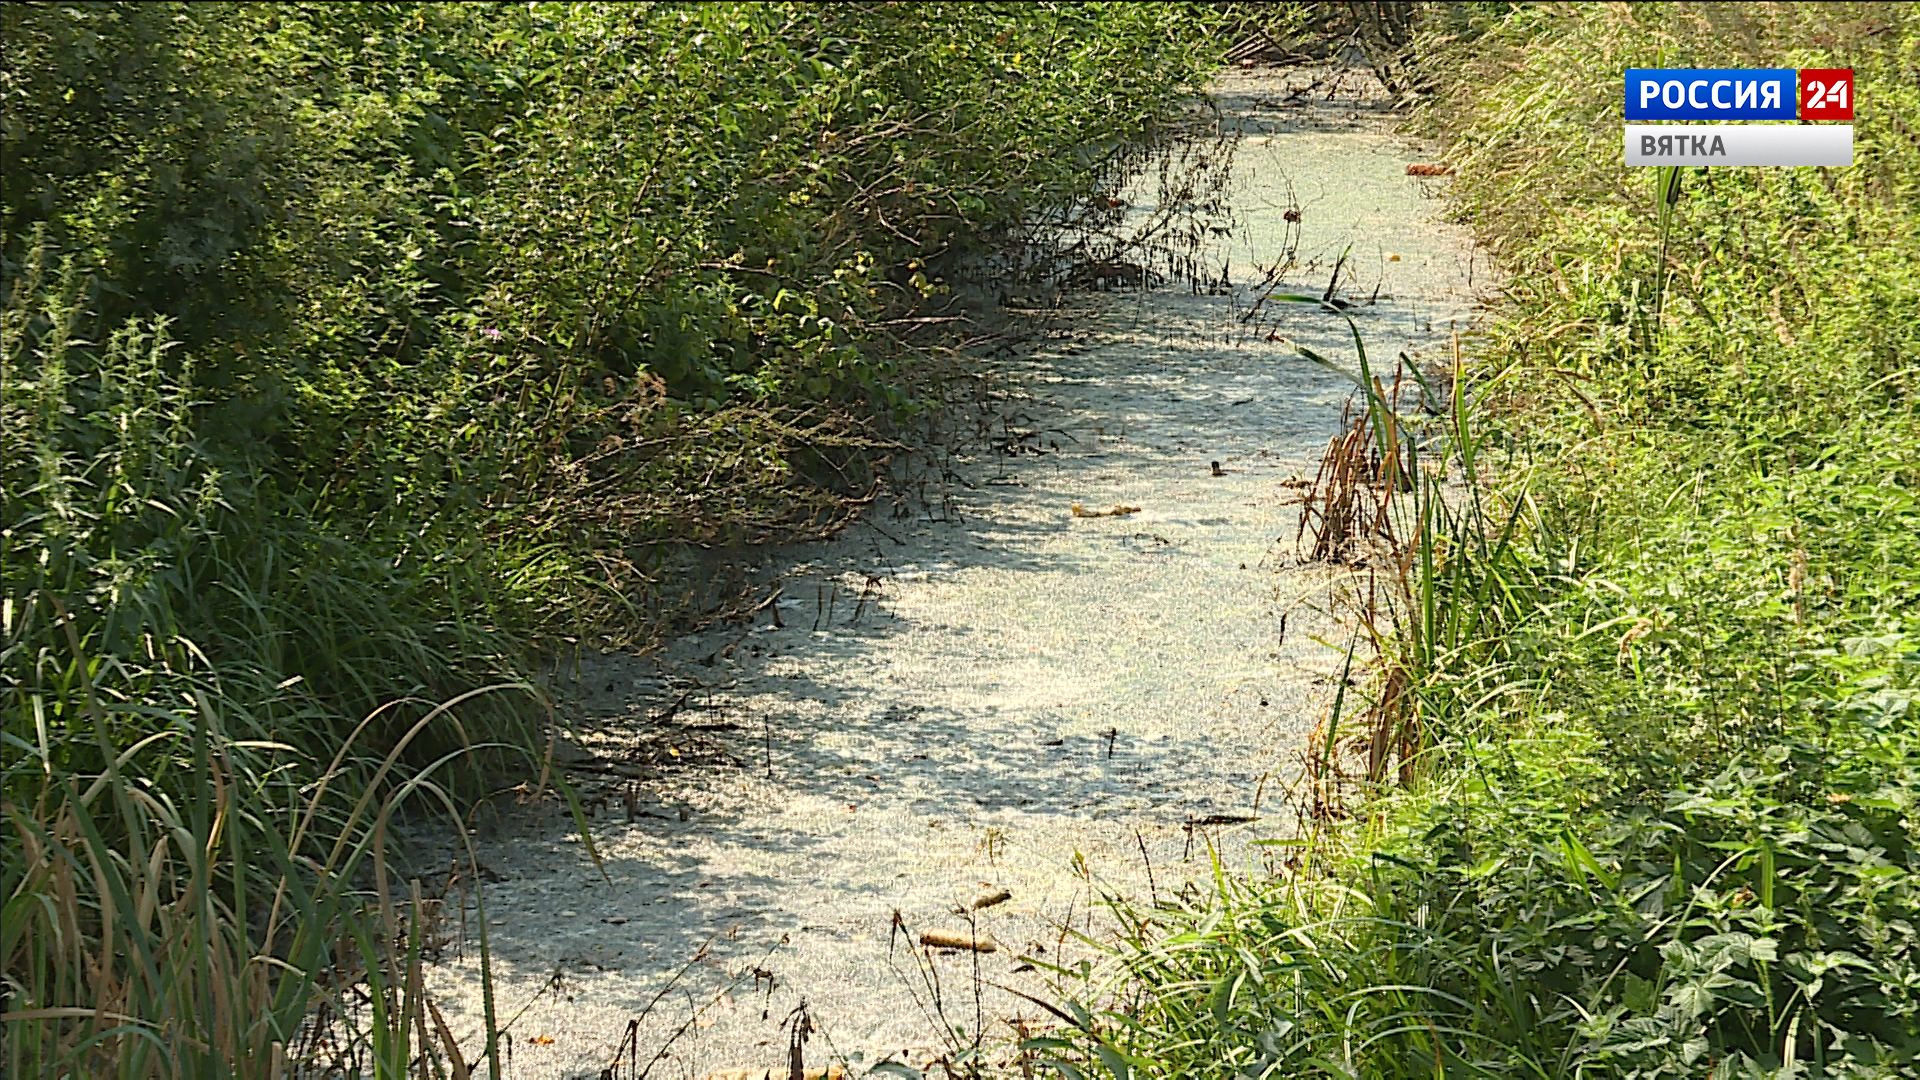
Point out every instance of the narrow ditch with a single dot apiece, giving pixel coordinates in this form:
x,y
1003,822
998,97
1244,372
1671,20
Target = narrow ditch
x,y
972,721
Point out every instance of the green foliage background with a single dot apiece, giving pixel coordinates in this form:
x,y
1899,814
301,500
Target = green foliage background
x,y
1667,823
466,308
353,351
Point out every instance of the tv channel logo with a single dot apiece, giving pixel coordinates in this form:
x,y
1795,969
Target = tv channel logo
x,y
1718,95
1711,94
1826,93
1721,94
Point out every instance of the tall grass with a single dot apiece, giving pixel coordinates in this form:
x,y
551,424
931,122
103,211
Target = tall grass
x,y
154,933
192,837
1645,653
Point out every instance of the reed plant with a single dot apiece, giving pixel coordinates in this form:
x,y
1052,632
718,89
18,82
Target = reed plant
x,y
185,932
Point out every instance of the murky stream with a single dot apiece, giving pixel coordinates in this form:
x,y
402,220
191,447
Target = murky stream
x,y
1013,699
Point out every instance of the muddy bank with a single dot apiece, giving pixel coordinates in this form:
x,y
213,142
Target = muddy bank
x,y
997,695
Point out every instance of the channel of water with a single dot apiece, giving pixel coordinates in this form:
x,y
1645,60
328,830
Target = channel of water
x,y
1006,698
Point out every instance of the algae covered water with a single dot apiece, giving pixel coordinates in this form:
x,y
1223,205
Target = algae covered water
x,y
972,720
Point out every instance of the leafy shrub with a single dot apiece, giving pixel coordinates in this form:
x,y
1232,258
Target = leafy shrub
x,y
354,353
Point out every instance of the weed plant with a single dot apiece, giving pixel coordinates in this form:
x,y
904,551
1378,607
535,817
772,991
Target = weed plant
x,y
1651,658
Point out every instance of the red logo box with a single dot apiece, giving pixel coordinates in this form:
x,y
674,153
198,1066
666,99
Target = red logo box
x,y
1826,93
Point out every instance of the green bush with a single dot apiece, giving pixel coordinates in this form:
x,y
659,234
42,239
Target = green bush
x,y
355,353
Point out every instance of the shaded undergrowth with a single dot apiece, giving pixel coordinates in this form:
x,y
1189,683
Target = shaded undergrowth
x,y
354,354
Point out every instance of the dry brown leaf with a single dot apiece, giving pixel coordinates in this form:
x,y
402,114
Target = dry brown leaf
x,y
987,900
1116,510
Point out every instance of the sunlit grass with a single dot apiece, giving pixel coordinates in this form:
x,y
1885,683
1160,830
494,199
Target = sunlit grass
x,y
1628,786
